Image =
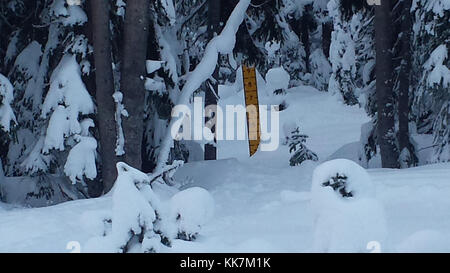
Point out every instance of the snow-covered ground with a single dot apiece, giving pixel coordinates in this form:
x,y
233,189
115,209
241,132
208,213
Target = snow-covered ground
x,y
263,204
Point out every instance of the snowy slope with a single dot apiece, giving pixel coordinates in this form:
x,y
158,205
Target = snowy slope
x,y
262,204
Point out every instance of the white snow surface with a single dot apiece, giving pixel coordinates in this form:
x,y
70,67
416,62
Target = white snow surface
x,y
261,203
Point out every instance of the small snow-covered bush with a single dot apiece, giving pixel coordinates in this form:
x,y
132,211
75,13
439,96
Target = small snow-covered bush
x,y
191,209
140,221
347,215
137,225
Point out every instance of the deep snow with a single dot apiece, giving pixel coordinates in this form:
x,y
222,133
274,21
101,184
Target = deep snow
x,y
261,203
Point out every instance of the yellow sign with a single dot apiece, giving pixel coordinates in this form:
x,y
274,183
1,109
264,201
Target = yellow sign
x,y
252,104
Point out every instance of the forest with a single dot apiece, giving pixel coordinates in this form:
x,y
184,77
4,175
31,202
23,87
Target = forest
x,y
88,91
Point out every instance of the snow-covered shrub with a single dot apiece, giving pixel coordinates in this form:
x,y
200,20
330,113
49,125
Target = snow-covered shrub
x,y
347,215
277,80
137,224
191,209
6,97
297,146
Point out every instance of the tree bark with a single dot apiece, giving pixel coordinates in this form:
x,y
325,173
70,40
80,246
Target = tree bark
x,y
327,29
405,68
136,29
384,85
210,96
104,90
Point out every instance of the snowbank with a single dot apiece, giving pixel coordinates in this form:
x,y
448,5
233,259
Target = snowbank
x,y
347,216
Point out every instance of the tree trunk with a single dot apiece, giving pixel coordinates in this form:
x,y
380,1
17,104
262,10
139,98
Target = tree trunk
x,y
210,96
132,77
104,90
327,28
405,68
384,90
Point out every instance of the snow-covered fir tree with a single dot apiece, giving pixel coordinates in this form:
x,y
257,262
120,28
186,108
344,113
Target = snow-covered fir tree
x,y
431,73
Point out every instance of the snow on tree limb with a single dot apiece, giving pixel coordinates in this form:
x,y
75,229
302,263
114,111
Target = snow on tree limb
x,y
6,97
223,43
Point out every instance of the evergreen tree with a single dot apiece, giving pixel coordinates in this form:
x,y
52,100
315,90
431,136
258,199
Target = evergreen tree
x,y
298,147
431,74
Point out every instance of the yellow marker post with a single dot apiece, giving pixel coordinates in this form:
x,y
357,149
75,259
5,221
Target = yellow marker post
x,y
252,104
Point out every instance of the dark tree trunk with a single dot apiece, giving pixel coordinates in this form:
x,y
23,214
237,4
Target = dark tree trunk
x,y
384,90
136,30
99,10
304,28
327,28
404,77
210,96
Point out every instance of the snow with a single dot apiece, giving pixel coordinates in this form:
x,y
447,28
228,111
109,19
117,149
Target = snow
x,y
425,241
277,78
134,211
345,224
261,203
6,95
439,71
70,14
191,209
28,60
152,66
120,111
81,160
66,87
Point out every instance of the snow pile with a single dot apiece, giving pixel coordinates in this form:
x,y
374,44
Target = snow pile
x,y
347,216
6,97
136,215
191,209
277,79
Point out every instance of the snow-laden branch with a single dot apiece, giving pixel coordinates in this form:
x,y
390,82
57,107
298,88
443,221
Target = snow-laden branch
x,y
224,44
6,98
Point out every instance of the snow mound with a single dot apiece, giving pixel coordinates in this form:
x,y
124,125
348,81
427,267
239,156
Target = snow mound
x,y
347,217
358,182
277,78
136,216
191,209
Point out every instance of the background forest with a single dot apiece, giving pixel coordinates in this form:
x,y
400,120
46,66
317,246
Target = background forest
x,y
85,85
